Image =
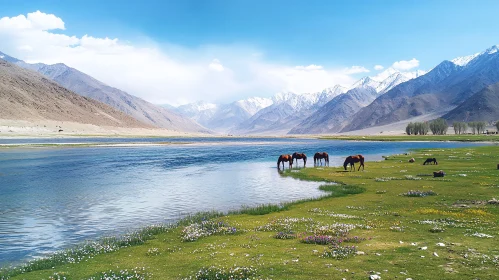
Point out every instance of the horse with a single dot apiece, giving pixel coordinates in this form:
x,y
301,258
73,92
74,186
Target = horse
x,y
283,158
352,160
298,156
430,160
319,156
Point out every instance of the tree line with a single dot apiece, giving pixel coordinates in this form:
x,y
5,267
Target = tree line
x,y
440,126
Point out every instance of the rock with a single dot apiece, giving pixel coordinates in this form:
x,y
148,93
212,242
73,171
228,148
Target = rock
x,y
360,253
377,254
440,244
374,277
412,160
493,201
435,254
414,244
401,242
423,248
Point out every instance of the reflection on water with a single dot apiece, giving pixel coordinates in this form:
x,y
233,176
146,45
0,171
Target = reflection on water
x,y
54,197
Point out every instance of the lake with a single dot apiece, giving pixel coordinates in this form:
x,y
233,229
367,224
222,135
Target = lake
x,y
54,197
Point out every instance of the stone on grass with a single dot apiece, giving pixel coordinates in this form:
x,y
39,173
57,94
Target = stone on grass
x,y
374,277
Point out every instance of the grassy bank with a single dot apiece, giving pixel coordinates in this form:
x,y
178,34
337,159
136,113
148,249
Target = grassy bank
x,y
394,219
460,138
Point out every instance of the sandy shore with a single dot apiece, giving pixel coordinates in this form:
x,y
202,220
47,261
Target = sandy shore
x,y
58,129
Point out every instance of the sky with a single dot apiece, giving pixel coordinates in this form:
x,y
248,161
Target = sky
x,y
175,52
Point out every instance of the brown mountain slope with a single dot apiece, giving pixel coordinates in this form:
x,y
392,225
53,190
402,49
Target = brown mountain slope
x,y
26,95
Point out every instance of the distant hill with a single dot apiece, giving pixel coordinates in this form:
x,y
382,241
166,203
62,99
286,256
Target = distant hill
x,y
138,108
482,106
27,95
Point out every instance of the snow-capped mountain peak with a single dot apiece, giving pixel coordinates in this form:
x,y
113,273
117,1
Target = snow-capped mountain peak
x,y
385,74
464,60
365,82
254,104
492,49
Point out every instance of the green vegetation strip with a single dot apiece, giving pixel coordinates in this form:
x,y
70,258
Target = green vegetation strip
x,y
394,220
458,138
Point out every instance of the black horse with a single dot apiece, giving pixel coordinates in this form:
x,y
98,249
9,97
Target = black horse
x,y
430,160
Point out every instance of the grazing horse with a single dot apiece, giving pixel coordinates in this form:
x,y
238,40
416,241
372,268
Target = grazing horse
x,y
298,156
430,160
318,158
283,158
352,160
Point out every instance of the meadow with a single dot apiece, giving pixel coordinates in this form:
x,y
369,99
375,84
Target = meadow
x,y
392,221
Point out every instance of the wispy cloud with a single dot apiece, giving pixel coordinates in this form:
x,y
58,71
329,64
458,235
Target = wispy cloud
x,y
164,74
378,67
355,70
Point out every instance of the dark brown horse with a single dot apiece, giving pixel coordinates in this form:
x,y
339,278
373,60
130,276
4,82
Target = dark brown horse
x,y
430,160
318,158
298,156
352,160
283,158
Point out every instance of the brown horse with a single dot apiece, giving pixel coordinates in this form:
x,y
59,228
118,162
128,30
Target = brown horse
x,y
352,160
283,158
298,156
318,158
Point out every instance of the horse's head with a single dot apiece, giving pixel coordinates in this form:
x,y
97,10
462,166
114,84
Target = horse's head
x,y
346,163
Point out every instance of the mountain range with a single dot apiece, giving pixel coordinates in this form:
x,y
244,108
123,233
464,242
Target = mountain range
x,y
85,85
462,89
447,85
27,95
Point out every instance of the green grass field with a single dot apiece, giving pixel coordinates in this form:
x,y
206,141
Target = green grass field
x,y
369,223
450,137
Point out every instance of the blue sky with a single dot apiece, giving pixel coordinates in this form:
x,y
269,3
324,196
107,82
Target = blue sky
x,y
332,34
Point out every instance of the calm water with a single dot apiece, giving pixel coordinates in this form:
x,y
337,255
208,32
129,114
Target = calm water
x,y
51,198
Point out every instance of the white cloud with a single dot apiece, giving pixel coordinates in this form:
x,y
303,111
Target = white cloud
x,y
36,20
355,70
167,73
216,65
406,64
378,67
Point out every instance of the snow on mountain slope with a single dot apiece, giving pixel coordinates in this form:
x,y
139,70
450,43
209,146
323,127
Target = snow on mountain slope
x,y
224,117
287,111
449,84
